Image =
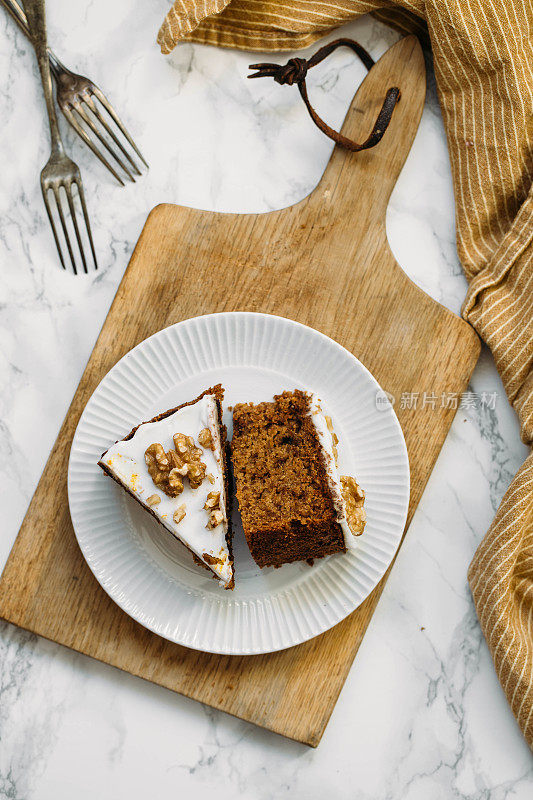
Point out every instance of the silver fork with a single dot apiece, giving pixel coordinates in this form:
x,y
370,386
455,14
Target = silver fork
x,y
60,172
76,98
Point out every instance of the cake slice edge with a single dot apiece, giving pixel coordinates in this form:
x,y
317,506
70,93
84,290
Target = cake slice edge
x,y
327,533
201,558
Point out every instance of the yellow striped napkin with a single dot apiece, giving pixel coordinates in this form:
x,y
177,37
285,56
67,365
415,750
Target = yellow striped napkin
x,y
483,52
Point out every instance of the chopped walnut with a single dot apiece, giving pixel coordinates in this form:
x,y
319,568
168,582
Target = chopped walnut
x,y
334,439
161,470
215,518
205,439
189,457
210,478
153,500
179,513
167,470
354,497
212,506
196,474
213,501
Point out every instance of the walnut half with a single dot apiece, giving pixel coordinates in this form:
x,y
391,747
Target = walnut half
x,y
161,469
354,497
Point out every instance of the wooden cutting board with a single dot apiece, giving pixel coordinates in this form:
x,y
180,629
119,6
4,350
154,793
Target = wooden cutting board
x,y
324,262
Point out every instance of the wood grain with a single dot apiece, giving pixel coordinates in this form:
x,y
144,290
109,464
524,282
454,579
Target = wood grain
x,y
324,262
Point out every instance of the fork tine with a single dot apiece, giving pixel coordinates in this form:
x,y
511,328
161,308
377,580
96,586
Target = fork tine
x,y
96,111
79,186
90,124
113,114
68,191
89,142
52,224
64,226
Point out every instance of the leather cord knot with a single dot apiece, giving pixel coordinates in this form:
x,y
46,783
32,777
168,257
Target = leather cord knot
x,y
295,71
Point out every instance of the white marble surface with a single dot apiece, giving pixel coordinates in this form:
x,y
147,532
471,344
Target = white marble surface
x,y
422,714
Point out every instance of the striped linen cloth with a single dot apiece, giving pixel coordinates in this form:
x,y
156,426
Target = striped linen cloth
x,y
483,54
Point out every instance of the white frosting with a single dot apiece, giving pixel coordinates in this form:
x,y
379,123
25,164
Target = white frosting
x,y
326,441
125,460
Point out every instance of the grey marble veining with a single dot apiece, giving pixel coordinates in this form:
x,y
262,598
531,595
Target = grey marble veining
x,y
422,714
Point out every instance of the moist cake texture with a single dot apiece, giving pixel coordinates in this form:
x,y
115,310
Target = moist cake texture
x,y
175,466
292,501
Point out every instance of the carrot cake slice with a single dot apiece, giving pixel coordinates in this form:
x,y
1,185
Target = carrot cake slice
x,y
294,504
175,466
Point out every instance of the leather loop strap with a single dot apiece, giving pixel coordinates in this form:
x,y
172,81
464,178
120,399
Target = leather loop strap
x,y
295,71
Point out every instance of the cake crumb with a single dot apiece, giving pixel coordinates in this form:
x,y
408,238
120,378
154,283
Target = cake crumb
x,y
209,559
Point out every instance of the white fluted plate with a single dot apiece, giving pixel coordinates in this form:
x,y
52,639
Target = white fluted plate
x,y
148,573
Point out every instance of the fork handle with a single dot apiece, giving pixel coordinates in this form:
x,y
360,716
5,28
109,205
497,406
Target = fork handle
x,y
18,15
35,16
16,12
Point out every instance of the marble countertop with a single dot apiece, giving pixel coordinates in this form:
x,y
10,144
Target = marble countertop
x,y
422,714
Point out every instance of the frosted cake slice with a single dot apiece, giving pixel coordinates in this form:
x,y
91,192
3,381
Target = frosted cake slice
x,y
294,505
175,466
